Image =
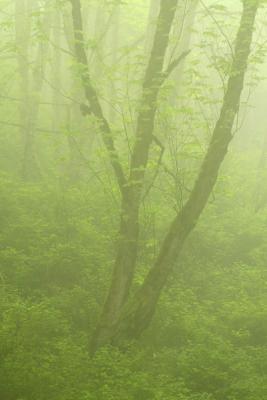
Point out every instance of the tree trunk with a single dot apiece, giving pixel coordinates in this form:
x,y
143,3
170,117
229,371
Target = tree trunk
x,y
23,31
56,71
113,43
31,84
31,166
183,35
137,315
260,199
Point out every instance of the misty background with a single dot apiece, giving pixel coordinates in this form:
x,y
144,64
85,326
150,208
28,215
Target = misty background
x,y
133,196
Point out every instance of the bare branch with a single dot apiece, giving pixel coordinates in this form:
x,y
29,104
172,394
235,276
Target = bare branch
x,y
174,64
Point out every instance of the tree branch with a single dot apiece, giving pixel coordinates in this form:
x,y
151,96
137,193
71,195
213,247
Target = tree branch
x,y
174,64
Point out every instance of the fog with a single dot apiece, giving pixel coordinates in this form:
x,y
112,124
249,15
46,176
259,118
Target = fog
x,y
133,194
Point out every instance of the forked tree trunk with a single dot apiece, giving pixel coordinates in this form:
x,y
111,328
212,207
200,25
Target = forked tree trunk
x,y
137,315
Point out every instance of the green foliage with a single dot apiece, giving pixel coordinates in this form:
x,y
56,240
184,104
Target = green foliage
x,y
207,341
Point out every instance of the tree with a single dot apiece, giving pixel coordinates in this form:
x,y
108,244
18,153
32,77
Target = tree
x,y
31,78
23,31
121,320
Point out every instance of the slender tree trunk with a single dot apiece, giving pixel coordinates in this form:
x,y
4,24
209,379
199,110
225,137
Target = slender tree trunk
x,y
113,43
31,166
56,71
31,84
72,110
138,313
260,199
183,35
23,32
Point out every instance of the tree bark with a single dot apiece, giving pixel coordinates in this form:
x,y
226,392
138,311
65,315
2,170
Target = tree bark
x,y
137,315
